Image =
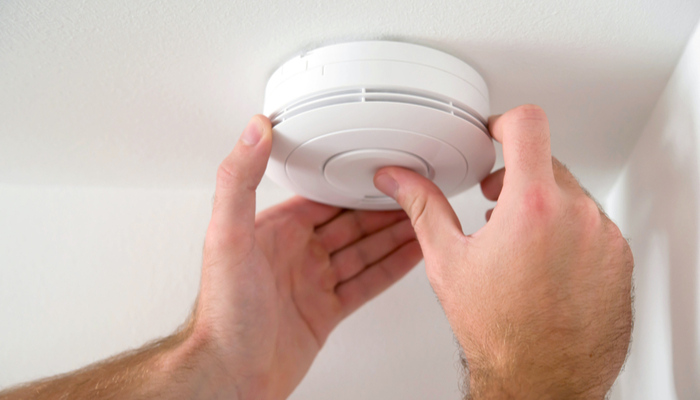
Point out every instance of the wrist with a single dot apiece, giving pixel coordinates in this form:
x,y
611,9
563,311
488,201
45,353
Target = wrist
x,y
513,375
197,361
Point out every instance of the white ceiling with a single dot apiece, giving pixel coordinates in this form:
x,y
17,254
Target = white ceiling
x,y
133,93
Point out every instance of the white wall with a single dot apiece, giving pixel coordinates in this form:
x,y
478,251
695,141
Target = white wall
x,y
86,273
656,202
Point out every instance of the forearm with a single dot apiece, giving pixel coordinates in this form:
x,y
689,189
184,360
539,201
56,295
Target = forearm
x,y
172,368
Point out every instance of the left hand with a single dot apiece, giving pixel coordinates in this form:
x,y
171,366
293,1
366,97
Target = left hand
x,y
274,286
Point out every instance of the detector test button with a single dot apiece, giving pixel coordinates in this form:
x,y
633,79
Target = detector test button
x,y
353,172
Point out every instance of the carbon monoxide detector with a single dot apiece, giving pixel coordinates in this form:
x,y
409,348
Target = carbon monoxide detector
x,y
341,112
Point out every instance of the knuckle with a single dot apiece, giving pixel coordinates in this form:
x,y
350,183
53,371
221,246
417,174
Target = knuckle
x,y
390,274
526,127
541,201
528,112
359,223
401,232
587,212
417,206
226,175
622,246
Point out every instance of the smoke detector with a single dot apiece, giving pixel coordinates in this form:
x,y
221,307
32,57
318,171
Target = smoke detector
x,y
342,112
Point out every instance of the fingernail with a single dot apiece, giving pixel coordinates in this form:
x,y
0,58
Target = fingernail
x,y
252,133
386,184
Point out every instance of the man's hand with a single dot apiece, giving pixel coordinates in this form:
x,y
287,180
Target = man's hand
x,y
273,287
540,297
272,290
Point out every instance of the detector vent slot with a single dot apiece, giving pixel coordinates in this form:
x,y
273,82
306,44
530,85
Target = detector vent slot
x,y
376,95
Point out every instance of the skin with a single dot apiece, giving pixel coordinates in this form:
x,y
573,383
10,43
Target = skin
x,y
275,286
539,298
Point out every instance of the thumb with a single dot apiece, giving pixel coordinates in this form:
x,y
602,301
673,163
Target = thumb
x,y
432,216
238,176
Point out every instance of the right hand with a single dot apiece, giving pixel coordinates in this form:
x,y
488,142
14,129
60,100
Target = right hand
x,y
540,297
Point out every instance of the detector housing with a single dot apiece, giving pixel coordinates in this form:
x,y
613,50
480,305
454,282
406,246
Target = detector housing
x,y
342,112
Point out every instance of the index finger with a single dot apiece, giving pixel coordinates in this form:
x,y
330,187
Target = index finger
x,y
524,134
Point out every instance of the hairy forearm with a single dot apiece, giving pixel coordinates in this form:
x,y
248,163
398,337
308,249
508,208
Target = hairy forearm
x,y
171,368
134,374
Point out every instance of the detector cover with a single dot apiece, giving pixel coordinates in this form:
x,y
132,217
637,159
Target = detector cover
x,y
342,112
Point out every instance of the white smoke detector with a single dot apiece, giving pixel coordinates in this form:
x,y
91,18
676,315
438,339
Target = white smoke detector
x,y
342,112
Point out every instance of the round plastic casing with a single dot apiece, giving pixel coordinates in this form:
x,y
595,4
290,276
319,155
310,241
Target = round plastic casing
x,y
342,112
